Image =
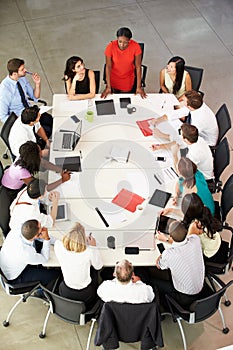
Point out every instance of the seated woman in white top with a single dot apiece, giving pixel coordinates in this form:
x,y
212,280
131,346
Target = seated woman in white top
x,y
174,79
77,255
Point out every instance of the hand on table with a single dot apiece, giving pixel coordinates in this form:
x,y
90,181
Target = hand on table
x,y
107,91
141,92
65,175
91,240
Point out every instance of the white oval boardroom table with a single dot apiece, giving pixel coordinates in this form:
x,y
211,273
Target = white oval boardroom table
x,y
102,178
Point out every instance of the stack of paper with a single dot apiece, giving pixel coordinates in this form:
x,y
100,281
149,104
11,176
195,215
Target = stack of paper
x,y
120,154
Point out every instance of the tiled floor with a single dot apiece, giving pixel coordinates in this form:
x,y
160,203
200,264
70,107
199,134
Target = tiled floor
x,y
45,33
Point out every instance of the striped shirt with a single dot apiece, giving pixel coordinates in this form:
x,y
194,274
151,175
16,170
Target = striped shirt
x,y
186,263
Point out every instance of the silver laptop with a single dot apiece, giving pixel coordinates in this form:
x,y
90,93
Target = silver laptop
x,y
67,137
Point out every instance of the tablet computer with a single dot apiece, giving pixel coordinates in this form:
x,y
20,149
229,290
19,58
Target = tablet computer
x,y
160,198
61,212
105,107
124,101
69,163
162,224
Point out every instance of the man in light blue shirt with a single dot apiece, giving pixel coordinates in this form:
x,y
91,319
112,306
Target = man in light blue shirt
x,y
14,100
10,98
19,260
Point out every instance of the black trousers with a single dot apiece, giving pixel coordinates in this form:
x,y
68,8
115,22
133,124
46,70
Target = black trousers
x,y
46,120
87,295
40,273
166,287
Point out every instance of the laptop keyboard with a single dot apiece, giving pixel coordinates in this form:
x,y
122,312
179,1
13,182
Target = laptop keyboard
x,y
66,141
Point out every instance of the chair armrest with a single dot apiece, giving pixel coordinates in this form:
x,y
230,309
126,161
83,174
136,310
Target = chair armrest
x,y
144,72
176,309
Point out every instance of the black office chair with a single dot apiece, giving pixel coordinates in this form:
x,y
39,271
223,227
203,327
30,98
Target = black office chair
x,y
144,73
129,323
97,82
201,309
223,120
5,202
221,161
1,171
5,131
222,209
196,75
24,290
70,311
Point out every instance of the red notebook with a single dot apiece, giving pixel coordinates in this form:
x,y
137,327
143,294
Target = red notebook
x,y
144,125
128,200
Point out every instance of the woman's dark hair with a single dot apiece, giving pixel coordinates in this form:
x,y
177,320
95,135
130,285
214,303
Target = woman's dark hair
x,y
29,157
124,32
36,188
193,208
70,64
180,62
187,170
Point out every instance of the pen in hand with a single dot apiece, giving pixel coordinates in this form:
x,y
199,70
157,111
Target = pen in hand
x,y
28,72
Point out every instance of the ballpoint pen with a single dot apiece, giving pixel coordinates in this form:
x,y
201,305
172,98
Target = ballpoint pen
x,y
28,72
81,155
163,103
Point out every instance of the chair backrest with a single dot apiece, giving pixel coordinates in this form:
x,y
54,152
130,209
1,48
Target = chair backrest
x,y
196,76
1,171
223,120
227,198
97,81
66,309
206,307
17,289
129,323
221,158
5,202
5,131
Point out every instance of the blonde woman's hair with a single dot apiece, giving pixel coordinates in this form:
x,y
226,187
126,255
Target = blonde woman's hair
x,y
75,240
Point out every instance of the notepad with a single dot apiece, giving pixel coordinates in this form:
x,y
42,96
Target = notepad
x,y
69,163
145,127
120,154
128,200
160,198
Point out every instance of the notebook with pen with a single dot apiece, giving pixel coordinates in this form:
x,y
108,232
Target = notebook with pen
x,y
105,107
127,200
69,163
160,198
144,126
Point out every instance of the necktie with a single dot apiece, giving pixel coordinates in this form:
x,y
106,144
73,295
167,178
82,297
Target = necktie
x,y
188,120
22,95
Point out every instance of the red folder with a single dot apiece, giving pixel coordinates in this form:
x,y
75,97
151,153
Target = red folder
x,y
144,125
128,200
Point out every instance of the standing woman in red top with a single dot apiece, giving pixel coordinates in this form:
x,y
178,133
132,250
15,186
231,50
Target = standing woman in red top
x,y
122,57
